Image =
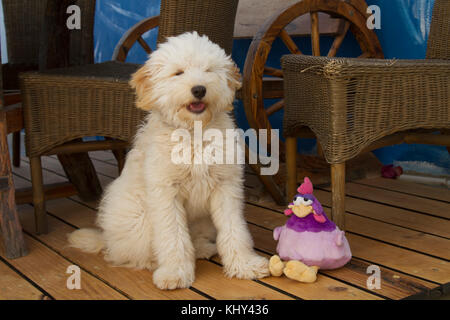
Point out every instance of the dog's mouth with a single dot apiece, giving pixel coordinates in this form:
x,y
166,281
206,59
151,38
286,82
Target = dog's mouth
x,y
196,107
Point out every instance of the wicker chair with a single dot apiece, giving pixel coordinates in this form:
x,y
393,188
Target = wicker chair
x,y
357,105
61,105
23,23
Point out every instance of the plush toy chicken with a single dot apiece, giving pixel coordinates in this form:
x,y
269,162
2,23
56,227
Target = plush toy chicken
x,y
308,241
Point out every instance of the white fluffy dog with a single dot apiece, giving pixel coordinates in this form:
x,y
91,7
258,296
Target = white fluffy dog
x,y
160,215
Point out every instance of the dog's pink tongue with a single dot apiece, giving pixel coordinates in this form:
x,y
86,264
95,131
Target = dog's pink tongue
x,y
197,106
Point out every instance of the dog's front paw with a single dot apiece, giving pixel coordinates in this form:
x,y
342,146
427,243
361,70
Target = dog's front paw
x,y
172,277
250,266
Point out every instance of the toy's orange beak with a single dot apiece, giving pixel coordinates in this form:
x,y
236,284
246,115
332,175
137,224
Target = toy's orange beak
x,y
301,211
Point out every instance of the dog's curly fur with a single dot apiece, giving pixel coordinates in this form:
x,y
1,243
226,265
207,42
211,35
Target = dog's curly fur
x,y
160,215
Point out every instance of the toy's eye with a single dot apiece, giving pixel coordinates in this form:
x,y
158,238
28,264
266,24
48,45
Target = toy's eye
x,y
179,73
306,201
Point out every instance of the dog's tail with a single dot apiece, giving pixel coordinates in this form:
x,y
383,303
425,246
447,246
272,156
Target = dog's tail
x,y
87,240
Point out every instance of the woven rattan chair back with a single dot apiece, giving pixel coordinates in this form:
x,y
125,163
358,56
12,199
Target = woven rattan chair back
x,y
438,41
23,24
61,46
82,40
214,18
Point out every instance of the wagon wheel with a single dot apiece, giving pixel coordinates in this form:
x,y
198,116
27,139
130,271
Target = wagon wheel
x,y
133,35
257,86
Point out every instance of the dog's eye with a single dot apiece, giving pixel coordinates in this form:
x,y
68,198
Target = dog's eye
x,y
179,73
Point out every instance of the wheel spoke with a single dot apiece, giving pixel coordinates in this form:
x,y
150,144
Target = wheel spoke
x,y
275,107
365,55
315,35
338,40
273,72
144,45
290,44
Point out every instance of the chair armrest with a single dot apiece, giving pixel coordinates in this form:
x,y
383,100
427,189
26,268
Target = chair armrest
x,y
344,67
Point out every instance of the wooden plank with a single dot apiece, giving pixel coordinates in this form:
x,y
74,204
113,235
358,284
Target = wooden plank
x,y
420,190
82,216
404,260
48,269
231,289
408,285
14,287
403,237
325,288
251,14
410,239
433,207
395,281
407,238
400,217
357,277
137,284
52,191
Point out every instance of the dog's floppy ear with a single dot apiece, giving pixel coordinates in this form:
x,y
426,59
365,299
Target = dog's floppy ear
x,y
141,82
234,77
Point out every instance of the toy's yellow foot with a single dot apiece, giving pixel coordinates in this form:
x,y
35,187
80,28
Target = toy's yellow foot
x,y
299,271
276,266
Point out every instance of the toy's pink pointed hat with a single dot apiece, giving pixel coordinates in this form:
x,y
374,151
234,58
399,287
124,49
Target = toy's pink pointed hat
x,y
306,187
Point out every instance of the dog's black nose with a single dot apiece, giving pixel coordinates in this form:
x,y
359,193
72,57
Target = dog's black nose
x,y
198,91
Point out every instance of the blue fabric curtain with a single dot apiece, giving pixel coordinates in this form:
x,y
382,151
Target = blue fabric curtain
x,y
403,35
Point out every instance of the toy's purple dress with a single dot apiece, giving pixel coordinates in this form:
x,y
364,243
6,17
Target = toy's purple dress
x,y
312,242
313,239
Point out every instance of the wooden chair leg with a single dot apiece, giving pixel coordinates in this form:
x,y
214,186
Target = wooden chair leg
x,y
11,228
38,195
291,167
120,156
338,194
16,149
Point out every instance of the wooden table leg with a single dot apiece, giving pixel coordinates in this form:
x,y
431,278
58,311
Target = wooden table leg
x,y
291,167
16,149
81,173
9,220
338,194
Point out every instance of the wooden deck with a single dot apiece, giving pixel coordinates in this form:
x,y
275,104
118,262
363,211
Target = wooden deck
x,y
401,227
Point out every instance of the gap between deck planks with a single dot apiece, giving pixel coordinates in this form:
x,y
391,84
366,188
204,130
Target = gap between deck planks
x,y
399,200
375,211
326,288
136,283
414,263
14,287
397,185
109,169
114,171
48,270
